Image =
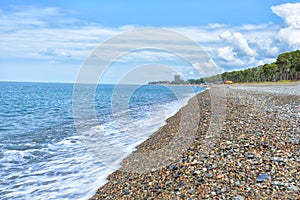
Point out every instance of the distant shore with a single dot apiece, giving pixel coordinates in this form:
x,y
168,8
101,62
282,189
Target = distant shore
x,y
256,153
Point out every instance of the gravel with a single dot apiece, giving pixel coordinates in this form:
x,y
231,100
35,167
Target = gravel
x,y
254,154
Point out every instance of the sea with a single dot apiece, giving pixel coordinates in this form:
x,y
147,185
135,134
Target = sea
x,y
42,154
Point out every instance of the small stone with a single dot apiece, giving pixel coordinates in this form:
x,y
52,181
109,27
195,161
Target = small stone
x,y
177,175
126,192
239,197
294,188
265,145
228,143
180,184
273,159
196,172
250,156
200,180
220,176
219,192
174,167
275,183
263,177
208,175
194,162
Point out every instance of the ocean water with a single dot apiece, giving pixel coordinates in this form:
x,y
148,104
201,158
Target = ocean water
x,y
42,154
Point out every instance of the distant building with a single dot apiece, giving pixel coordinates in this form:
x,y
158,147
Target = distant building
x,y
177,78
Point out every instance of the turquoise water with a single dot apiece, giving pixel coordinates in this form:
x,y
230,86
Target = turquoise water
x,y
41,153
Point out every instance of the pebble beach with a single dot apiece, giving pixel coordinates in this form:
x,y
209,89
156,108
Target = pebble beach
x,y
228,142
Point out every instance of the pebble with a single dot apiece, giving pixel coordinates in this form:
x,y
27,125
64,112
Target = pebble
x,y
208,175
174,167
197,172
180,184
262,177
294,188
239,197
126,192
257,141
200,180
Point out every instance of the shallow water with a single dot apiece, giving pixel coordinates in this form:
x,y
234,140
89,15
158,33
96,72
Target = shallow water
x,y
42,154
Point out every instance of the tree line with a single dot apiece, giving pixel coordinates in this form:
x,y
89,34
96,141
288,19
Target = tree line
x,y
286,67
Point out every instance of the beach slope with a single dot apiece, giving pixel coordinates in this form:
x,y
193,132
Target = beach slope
x,y
254,153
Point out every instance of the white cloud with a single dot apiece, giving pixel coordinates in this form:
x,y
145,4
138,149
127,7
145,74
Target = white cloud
x,y
191,73
60,36
200,34
53,62
238,40
255,27
23,17
226,35
207,68
264,61
291,36
266,46
290,13
217,26
226,53
52,52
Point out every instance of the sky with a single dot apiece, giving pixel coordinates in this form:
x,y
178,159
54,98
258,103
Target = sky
x,y
51,41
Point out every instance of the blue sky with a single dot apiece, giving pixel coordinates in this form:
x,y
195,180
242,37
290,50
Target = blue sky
x,y
48,41
163,13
